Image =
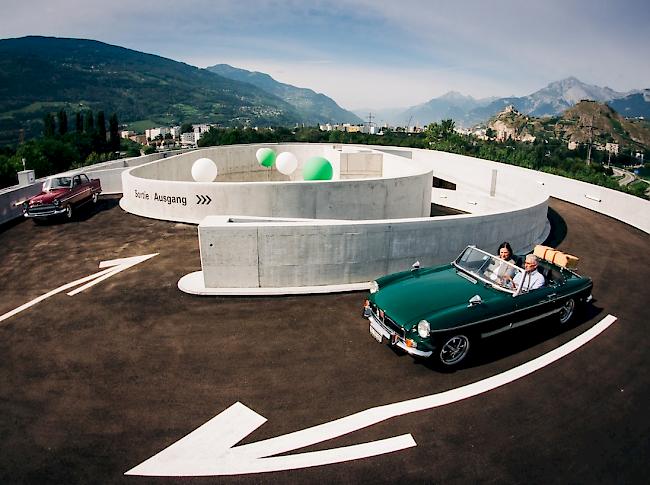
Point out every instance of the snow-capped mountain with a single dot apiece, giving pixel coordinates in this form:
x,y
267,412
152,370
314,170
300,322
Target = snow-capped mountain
x,y
552,100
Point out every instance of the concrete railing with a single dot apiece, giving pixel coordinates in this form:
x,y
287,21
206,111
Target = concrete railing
x,y
473,175
257,253
11,200
109,173
165,190
252,253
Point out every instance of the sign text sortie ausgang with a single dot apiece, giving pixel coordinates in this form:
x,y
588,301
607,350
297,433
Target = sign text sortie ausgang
x,y
165,199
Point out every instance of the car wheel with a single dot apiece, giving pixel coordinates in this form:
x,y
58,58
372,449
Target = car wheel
x,y
453,350
68,212
95,197
567,310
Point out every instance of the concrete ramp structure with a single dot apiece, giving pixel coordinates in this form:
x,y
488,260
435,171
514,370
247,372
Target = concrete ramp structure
x,y
261,232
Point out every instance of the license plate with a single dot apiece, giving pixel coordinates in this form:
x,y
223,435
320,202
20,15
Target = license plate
x,y
375,334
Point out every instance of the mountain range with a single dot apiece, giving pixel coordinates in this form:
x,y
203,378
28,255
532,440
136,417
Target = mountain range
x,y
551,100
40,75
312,107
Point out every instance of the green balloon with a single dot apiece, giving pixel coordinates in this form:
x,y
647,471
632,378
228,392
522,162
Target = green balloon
x,y
266,157
317,168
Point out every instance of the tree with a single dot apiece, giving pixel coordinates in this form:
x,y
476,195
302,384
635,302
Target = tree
x,y
100,128
79,122
89,123
63,122
8,167
447,128
114,133
187,128
49,127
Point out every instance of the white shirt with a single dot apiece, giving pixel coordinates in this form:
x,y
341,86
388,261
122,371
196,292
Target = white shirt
x,y
532,280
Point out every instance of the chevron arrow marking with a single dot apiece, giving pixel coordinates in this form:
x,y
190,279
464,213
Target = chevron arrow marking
x,y
112,267
211,449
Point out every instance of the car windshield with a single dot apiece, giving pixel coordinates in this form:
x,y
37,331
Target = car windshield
x,y
57,183
488,268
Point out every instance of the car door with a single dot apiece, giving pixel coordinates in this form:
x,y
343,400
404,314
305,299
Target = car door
x,y
536,304
75,190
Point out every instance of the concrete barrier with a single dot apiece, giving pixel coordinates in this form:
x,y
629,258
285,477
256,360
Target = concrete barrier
x,y
473,175
11,200
253,252
109,173
165,190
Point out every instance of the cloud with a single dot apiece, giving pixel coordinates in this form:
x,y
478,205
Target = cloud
x,y
364,52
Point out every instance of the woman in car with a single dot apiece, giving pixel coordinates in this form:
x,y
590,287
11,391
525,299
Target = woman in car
x,y
505,254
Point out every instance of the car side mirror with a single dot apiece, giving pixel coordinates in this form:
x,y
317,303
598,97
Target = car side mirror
x,y
475,300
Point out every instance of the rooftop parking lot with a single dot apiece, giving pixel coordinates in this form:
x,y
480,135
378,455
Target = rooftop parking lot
x,y
96,383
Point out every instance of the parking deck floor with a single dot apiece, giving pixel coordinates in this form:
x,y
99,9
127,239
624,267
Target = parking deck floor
x,y
96,383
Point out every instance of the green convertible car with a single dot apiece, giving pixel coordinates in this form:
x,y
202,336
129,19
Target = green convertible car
x,y
439,312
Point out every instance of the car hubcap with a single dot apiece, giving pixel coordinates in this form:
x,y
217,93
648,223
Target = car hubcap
x,y
94,198
68,212
567,311
454,350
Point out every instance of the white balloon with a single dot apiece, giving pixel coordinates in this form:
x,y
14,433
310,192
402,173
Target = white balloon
x,y
286,163
204,170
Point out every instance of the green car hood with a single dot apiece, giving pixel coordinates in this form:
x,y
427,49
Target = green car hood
x,y
411,296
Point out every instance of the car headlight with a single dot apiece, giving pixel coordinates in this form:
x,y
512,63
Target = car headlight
x,y
424,329
56,202
374,287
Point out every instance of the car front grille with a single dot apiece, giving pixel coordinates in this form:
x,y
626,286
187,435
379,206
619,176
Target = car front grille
x,y
41,209
388,322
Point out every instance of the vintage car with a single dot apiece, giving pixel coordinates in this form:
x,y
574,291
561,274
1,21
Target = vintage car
x,y
61,195
439,312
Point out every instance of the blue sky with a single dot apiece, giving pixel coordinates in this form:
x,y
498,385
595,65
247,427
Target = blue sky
x,y
372,54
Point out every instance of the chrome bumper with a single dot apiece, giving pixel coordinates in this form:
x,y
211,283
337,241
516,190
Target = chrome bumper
x,y
395,339
53,212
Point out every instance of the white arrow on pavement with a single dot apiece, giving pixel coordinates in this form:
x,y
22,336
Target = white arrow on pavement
x,y
211,450
113,267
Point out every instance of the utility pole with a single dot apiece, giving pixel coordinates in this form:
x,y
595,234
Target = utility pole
x,y
370,117
591,139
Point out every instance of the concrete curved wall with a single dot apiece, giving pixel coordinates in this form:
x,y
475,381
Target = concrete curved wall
x,y
165,190
239,252
236,253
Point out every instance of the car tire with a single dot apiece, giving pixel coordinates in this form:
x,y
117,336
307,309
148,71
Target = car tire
x,y
453,350
567,311
68,212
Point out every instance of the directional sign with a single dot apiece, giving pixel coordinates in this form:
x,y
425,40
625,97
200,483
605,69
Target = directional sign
x,y
113,267
203,199
211,450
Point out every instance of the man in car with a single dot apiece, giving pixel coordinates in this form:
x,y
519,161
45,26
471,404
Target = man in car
x,y
530,278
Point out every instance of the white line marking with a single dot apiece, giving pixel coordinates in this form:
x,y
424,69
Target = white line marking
x,y
113,266
210,450
116,265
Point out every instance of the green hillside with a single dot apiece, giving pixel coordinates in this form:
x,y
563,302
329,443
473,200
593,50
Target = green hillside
x,y
44,74
313,107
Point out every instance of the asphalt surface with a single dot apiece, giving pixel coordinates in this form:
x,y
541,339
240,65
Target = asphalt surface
x,y
94,384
